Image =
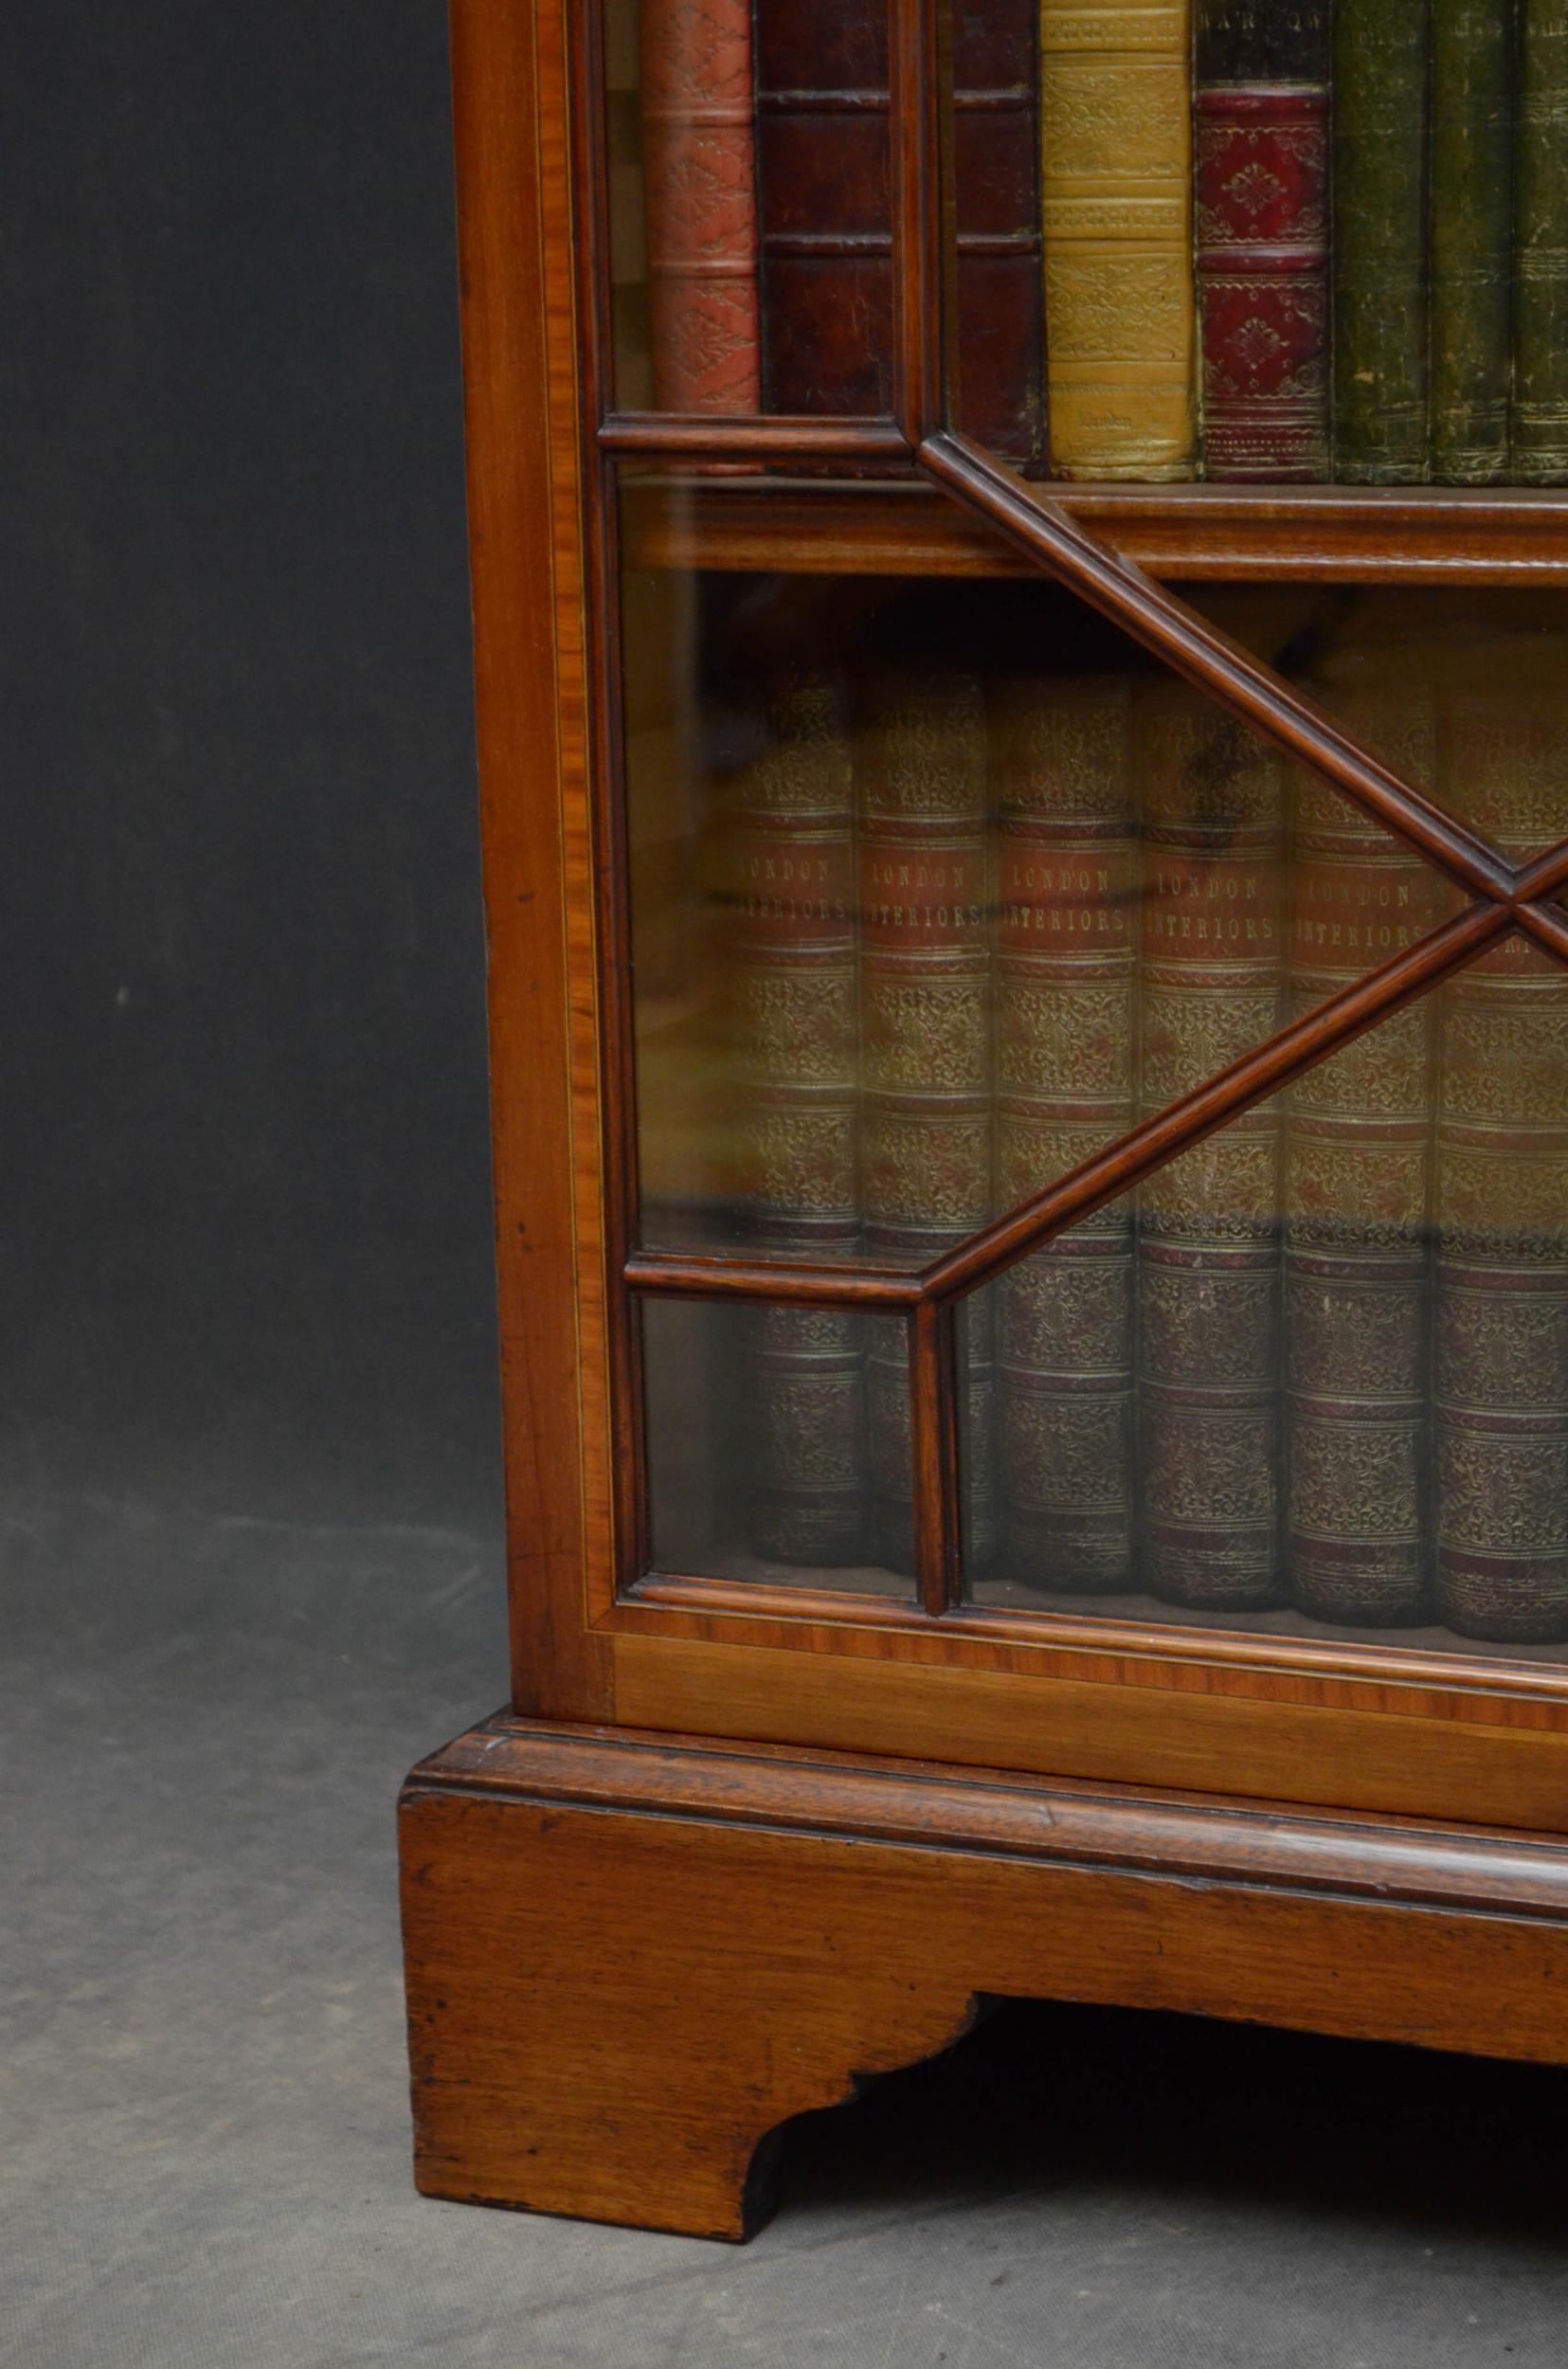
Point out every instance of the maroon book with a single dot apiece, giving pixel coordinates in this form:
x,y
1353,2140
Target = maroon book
x,y
999,399
825,183
1262,174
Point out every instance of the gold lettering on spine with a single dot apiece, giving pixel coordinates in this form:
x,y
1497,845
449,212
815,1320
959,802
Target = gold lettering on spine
x,y
1116,130
1356,1173
1502,1181
788,918
1066,954
1212,801
922,803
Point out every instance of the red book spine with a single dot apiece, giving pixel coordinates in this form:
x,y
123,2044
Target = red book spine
x,y
1263,280
699,172
826,180
1001,284
824,173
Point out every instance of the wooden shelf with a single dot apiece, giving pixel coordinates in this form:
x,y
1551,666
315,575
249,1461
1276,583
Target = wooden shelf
x,y
907,528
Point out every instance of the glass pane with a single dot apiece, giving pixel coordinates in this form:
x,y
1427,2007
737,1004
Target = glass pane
x,y
751,227
1313,1377
1069,154
900,852
995,287
778,1445
1243,243
1281,243
1464,694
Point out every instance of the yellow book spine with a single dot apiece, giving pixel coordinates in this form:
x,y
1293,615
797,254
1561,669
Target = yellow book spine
x,y
1120,315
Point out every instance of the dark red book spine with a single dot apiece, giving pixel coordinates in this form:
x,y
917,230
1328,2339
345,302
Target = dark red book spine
x,y
1262,190
700,176
825,183
997,205
824,175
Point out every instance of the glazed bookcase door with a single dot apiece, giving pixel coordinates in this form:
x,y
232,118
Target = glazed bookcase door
x,y
1068,1077
943,895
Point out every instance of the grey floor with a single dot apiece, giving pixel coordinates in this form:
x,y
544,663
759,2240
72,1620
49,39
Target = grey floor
x,y
205,2144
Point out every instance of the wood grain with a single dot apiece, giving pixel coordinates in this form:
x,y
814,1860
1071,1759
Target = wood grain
x,y
917,236
1300,534
1353,1745
933,1436
632,1955
528,596
630,1960
1107,1645
779,437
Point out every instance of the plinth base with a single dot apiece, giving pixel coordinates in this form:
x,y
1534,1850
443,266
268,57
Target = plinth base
x,y
632,1957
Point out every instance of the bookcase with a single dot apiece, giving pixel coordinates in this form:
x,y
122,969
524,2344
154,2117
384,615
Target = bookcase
x,y
1030,1054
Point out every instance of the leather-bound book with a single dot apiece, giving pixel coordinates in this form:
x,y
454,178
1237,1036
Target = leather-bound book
x,y
1117,195
1502,1189
996,205
1212,798
824,178
1357,1160
1472,140
1067,950
1540,437
1382,61
926,997
700,176
1262,172
790,948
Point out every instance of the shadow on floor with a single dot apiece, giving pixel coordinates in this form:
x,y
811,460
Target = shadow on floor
x,y
1204,2115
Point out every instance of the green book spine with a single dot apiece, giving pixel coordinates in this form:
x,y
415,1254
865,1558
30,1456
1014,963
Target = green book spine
x,y
1381,289
1471,238
1540,247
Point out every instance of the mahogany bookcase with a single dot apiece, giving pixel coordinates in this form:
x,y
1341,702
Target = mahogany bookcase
x,y
738,1841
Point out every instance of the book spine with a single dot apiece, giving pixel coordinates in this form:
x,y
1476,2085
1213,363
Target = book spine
x,y
1540,437
1117,195
1262,193
1209,1268
926,995
699,179
1501,1375
1358,1163
791,941
995,174
1503,1304
1472,139
1066,1036
824,176
1382,58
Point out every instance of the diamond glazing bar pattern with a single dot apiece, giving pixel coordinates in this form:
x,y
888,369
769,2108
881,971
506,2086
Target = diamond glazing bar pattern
x,y
1504,897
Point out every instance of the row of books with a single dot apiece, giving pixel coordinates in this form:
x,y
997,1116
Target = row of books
x,y
1354,211
972,928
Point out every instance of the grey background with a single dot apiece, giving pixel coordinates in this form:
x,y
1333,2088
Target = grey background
x,y
249,1512
239,918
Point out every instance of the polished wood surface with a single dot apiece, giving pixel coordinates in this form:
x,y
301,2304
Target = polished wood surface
x,y
631,1955
903,525
528,595
631,1958
1216,1729
546,526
